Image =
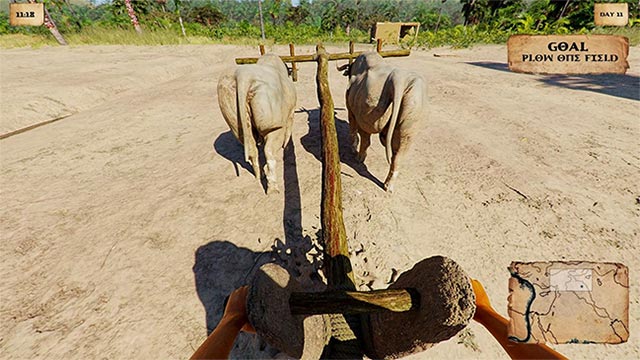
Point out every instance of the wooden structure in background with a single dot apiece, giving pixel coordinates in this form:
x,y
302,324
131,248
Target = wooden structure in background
x,y
393,32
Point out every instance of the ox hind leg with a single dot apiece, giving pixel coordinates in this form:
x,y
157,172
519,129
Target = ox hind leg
x,y
353,132
358,136
273,142
399,145
365,141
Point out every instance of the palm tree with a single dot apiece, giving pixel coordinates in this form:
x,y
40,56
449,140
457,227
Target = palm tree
x,y
48,22
261,19
178,2
132,15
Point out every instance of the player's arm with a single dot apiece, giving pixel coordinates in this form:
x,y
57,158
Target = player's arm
x,y
218,345
498,327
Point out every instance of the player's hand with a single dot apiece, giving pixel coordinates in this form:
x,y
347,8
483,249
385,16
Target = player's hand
x,y
482,300
236,308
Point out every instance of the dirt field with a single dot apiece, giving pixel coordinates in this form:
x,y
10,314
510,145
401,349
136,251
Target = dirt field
x,y
124,225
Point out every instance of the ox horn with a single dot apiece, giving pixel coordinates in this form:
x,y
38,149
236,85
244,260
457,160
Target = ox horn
x,y
343,67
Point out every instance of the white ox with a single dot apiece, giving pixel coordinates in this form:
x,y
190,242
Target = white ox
x,y
266,98
384,100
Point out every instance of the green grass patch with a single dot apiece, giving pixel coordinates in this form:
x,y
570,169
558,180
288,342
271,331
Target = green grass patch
x,y
633,33
246,34
101,36
24,40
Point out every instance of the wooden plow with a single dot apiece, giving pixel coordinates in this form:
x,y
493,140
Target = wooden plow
x,y
342,322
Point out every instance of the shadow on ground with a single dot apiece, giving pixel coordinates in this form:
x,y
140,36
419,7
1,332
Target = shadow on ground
x,y
230,148
619,85
221,266
312,144
227,146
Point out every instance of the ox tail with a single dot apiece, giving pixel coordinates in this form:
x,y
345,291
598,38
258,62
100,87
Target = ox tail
x,y
288,131
250,148
398,84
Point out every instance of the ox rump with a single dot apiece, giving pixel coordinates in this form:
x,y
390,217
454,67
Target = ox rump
x,y
384,100
257,102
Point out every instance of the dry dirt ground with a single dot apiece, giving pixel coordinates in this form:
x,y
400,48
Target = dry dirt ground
x,y
124,225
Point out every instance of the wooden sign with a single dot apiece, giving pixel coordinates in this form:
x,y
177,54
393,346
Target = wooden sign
x,y
609,14
26,14
568,54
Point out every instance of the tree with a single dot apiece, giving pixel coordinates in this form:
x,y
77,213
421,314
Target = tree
x,y
178,4
347,16
261,19
483,11
371,12
338,14
132,16
207,15
51,25
430,18
330,16
133,8
276,10
297,14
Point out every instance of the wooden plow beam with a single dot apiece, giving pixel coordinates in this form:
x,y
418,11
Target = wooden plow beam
x,y
341,302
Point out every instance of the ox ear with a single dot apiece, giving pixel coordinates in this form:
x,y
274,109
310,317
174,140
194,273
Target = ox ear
x,y
346,68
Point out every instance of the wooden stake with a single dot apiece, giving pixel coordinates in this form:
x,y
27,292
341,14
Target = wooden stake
x,y
351,49
294,67
379,46
261,50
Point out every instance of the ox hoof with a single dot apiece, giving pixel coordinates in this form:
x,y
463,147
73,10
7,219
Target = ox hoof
x,y
273,189
253,161
355,141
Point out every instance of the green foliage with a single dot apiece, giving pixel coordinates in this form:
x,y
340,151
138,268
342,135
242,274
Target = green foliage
x,y
430,18
159,20
207,15
461,36
141,7
297,15
5,28
336,14
488,21
488,11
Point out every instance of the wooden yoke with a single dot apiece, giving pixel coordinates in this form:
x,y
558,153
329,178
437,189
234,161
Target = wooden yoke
x,y
330,57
